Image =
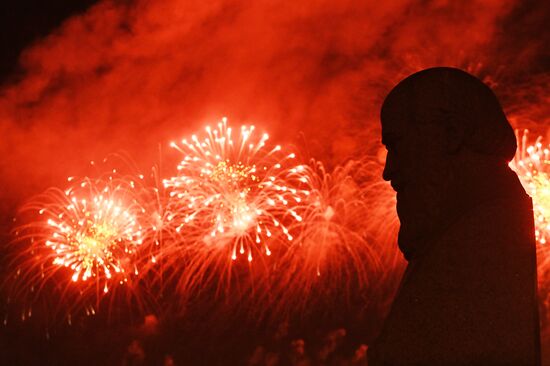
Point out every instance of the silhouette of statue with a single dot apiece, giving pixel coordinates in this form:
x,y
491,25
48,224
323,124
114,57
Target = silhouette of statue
x,y
468,295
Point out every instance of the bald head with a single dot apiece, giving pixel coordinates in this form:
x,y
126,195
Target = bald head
x,y
451,96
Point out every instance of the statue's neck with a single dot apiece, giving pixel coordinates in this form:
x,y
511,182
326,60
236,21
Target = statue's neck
x,y
480,182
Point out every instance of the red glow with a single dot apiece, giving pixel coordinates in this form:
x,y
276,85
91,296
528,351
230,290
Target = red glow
x,y
129,77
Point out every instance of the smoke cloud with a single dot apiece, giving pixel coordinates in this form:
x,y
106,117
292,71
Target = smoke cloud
x,y
132,76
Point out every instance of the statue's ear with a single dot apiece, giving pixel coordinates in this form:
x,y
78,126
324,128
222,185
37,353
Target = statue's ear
x,y
455,133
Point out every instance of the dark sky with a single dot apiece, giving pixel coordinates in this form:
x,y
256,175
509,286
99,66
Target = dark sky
x,y
24,21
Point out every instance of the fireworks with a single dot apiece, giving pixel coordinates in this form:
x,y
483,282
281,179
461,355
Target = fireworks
x,y
81,241
331,257
95,237
334,217
532,164
234,195
234,190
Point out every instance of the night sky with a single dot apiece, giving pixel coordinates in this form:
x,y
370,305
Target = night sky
x,y
24,22
84,79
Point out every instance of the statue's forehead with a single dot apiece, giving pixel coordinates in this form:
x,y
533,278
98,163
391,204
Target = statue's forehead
x,y
414,101
397,113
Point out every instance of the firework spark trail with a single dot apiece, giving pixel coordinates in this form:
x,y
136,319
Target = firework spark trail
x,y
81,242
331,257
234,189
234,195
532,164
97,230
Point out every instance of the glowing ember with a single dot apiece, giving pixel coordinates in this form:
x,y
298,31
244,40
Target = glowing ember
x,y
234,189
532,164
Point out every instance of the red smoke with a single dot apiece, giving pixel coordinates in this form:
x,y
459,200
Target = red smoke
x,y
131,76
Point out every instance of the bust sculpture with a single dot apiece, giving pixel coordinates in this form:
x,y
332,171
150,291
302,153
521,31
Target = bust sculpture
x,y
468,295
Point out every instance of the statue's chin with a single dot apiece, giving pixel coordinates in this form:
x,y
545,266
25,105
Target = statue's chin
x,y
415,232
421,211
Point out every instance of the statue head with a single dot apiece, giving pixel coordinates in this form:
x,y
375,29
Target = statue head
x,y
440,126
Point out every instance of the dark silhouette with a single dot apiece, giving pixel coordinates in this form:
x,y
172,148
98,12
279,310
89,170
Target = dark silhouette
x,y
468,295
